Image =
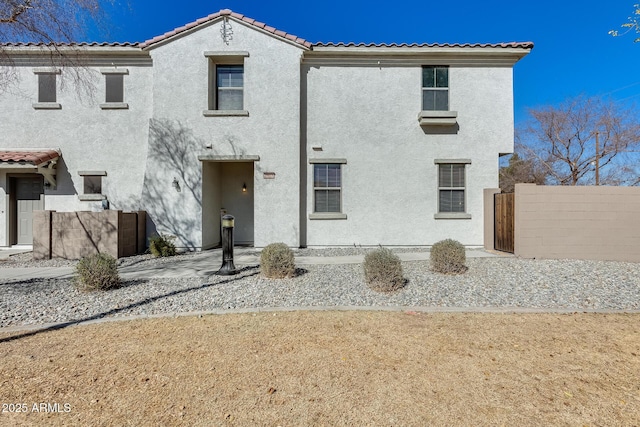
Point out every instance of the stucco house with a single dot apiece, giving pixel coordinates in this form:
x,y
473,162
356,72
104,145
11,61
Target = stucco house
x,y
311,144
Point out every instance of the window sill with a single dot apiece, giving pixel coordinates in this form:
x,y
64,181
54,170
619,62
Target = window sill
x,y
452,215
328,215
438,118
47,106
91,197
225,113
115,106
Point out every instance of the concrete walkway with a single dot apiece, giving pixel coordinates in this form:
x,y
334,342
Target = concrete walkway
x,y
205,263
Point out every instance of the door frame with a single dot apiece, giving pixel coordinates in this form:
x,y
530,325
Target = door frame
x,y
12,218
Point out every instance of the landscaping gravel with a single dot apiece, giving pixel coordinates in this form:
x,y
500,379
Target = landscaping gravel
x,y
489,282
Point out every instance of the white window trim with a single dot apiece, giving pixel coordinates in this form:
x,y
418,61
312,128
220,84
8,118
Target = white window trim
x,y
451,215
327,215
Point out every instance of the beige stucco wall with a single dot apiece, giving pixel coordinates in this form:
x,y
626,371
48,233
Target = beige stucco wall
x,y
600,223
73,235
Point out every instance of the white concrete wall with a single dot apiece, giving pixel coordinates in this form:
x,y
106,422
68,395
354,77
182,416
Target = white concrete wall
x,y
88,137
211,203
368,115
271,131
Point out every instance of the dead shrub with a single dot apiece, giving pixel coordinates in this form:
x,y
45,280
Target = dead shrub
x,y
96,272
448,257
383,270
277,261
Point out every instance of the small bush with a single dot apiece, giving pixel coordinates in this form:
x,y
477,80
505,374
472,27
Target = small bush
x,y
277,261
161,245
448,257
383,270
97,272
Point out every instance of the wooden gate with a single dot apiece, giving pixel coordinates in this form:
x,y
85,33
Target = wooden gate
x,y
504,235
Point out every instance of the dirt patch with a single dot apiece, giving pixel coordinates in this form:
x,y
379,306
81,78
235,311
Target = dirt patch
x,y
329,368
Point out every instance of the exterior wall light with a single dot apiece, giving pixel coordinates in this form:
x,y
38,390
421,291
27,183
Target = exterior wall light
x,y
244,187
176,185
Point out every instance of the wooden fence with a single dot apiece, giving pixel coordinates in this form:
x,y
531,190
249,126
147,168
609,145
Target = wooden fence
x,y
504,205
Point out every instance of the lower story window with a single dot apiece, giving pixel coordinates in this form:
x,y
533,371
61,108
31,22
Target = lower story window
x,y
327,187
451,187
92,185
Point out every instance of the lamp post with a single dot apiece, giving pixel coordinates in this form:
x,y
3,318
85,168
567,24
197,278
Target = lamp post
x,y
227,268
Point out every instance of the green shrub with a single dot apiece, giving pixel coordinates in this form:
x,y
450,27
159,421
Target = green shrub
x,y
277,261
448,257
383,270
162,245
97,272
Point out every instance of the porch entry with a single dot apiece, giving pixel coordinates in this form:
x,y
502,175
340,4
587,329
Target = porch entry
x,y
26,196
227,186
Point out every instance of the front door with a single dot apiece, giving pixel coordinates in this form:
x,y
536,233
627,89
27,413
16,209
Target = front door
x,y
29,198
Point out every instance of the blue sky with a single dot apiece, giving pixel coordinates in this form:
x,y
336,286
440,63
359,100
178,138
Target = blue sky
x,y
573,53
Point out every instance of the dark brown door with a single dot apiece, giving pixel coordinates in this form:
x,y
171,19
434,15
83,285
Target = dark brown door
x,y
505,225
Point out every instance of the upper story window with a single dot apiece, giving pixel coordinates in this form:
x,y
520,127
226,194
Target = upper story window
x,y
435,88
114,88
226,84
229,87
47,88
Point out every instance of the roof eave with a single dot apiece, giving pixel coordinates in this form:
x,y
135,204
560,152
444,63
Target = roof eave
x,y
216,18
399,55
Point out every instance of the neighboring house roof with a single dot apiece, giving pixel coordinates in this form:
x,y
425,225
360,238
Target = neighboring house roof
x,y
34,158
83,44
226,13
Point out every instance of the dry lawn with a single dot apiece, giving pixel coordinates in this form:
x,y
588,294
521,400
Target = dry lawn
x,y
329,368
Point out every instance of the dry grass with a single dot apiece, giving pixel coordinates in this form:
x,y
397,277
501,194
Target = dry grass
x,y
331,368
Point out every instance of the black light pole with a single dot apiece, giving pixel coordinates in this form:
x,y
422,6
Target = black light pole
x,y
228,268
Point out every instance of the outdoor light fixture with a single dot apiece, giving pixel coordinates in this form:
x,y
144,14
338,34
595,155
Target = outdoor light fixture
x,y
176,184
244,187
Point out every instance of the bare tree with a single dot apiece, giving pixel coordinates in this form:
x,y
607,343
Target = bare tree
x,y
521,170
632,24
571,139
52,26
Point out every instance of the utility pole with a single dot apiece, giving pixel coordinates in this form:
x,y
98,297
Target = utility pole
x,y
597,158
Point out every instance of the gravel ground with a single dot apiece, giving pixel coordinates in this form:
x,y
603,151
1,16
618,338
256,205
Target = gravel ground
x,y
489,282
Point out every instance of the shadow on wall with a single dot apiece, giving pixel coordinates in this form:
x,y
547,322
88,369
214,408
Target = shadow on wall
x,y
172,189
65,186
171,192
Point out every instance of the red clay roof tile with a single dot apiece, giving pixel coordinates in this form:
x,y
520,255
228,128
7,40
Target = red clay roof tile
x,y
234,15
274,31
31,157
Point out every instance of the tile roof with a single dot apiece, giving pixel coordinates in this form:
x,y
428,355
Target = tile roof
x,y
242,18
228,13
34,158
522,45
83,44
